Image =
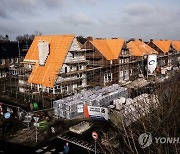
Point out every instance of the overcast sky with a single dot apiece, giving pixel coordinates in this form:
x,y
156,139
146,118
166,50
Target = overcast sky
x,y
158,19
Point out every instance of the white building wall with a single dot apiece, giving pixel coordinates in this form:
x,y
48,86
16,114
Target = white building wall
x,y
84,82
63,68
75,45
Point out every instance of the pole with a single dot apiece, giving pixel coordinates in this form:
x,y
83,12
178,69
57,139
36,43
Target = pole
x,y
18,113
36,132
95,146
19,51
4,87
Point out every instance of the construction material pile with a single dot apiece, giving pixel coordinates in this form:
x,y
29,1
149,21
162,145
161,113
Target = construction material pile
x,y
72,106
133,109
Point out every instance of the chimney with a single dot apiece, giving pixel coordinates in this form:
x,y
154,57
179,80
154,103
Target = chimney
x,y
132,39
89,38
140,39
98,38
43,48
151,40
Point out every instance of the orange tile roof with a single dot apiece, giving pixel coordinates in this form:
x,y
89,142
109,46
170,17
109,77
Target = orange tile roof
x,y
139,48
163,45
109,48
46,75
176,45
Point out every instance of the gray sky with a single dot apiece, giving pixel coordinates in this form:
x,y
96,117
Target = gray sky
x,y
158,19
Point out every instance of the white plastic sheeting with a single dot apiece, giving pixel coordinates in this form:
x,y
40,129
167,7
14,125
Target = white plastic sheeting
x,y
69,107
152,64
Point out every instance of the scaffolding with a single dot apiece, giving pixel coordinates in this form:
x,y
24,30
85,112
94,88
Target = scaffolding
x,y
105,62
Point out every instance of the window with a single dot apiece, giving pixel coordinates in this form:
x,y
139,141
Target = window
x,y
16,60
131,71
57,87
73,55
108,77
64,88
77,68
11,61
123,52
65,69
121,61
121,76
79,75
79,83
126,75
169,61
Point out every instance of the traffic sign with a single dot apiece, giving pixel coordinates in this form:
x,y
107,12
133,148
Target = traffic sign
x,y
36,119
36,124
94,135
7,115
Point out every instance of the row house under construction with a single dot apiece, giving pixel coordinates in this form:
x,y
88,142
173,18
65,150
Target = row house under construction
x,y
61,66
53,65
107,58
168,53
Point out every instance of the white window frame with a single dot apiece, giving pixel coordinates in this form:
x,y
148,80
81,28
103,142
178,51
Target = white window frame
x,y
106,77
121,75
